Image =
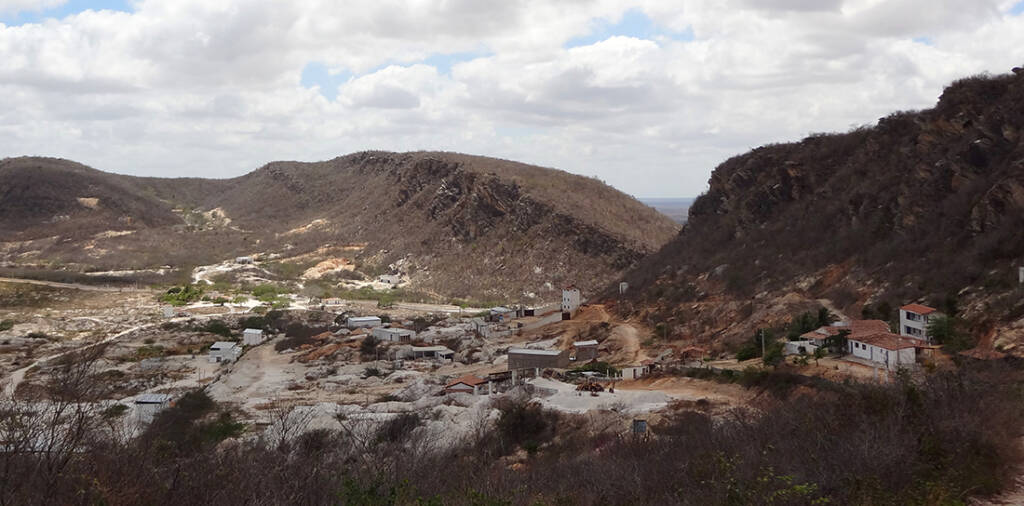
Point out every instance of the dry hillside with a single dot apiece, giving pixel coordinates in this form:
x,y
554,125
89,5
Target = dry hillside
x,y
456,225
925,206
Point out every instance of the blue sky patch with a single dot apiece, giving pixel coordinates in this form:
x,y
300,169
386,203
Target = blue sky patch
x,y
1017,9
443,62
70,7
317,74
634,23
924,40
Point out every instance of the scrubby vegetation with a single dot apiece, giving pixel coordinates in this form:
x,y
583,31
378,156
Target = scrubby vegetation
x,y
182,295
916,208
937,440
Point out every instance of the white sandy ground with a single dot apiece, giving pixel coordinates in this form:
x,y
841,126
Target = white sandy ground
x,y
564,397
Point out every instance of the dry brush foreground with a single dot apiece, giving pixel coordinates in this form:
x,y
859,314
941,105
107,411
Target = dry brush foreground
x,y
937,440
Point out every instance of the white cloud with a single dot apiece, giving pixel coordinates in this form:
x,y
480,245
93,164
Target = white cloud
x,y
194,87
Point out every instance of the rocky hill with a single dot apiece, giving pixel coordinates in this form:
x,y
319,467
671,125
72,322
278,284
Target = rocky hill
x,y
454,225
925,206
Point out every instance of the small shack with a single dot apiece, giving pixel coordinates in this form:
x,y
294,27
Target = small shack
x,y
390,279
252,337
467,385
635,371
584,351
224,351
363,322
394,334
148,405
524,358
434,352
501,314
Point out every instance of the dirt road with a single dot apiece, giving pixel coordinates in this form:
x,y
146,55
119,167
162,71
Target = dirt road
x,y
18,376
73,286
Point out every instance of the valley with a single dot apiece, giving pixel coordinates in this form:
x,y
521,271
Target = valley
x,y
456,329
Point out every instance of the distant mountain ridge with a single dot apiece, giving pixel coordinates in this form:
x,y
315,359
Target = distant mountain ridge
x,y
676,208
458,225
927,206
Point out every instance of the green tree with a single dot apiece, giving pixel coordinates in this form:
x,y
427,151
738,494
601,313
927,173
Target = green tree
x,y
825,317
819,353
368,348
838,342
945,330
773,353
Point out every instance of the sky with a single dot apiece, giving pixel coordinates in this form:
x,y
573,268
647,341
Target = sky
x,y
646,95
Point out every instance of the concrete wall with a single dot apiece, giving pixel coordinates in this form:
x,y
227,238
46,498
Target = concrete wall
x,y
634,372
394,335
530,361
251,337
355,324
586,353
793,347
890,359
570,300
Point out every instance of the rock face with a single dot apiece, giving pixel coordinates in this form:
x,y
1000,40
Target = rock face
x,y
454,225
921,207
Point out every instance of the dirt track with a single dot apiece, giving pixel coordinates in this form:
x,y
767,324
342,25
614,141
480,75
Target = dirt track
x,y
73,286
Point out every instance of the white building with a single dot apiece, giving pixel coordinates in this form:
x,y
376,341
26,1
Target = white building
x,y
570,299
224,351
442,353
252,337
243,260
148,405
390,279
886,349
468,385
914,320
394,335
363,322
635,371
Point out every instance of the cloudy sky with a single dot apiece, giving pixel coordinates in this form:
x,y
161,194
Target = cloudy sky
x,y
648,95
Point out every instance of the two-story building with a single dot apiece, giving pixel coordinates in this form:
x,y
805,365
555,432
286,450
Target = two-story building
x,y
914,320
571,299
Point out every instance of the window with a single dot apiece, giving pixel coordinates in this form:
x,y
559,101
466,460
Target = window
x,y
913,316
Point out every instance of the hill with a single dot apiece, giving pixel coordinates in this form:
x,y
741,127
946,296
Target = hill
x,y
454,225
925,206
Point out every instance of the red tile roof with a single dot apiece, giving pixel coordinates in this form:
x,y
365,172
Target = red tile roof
x,y
919,309
468,380
890,341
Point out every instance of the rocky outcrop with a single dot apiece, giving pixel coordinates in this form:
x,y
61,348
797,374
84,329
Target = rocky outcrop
x,y
925,205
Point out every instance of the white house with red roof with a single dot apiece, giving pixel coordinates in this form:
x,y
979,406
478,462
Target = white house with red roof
x,y
885,348
468,384
914,320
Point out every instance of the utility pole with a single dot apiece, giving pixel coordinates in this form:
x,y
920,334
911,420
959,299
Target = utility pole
x,y
762,345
